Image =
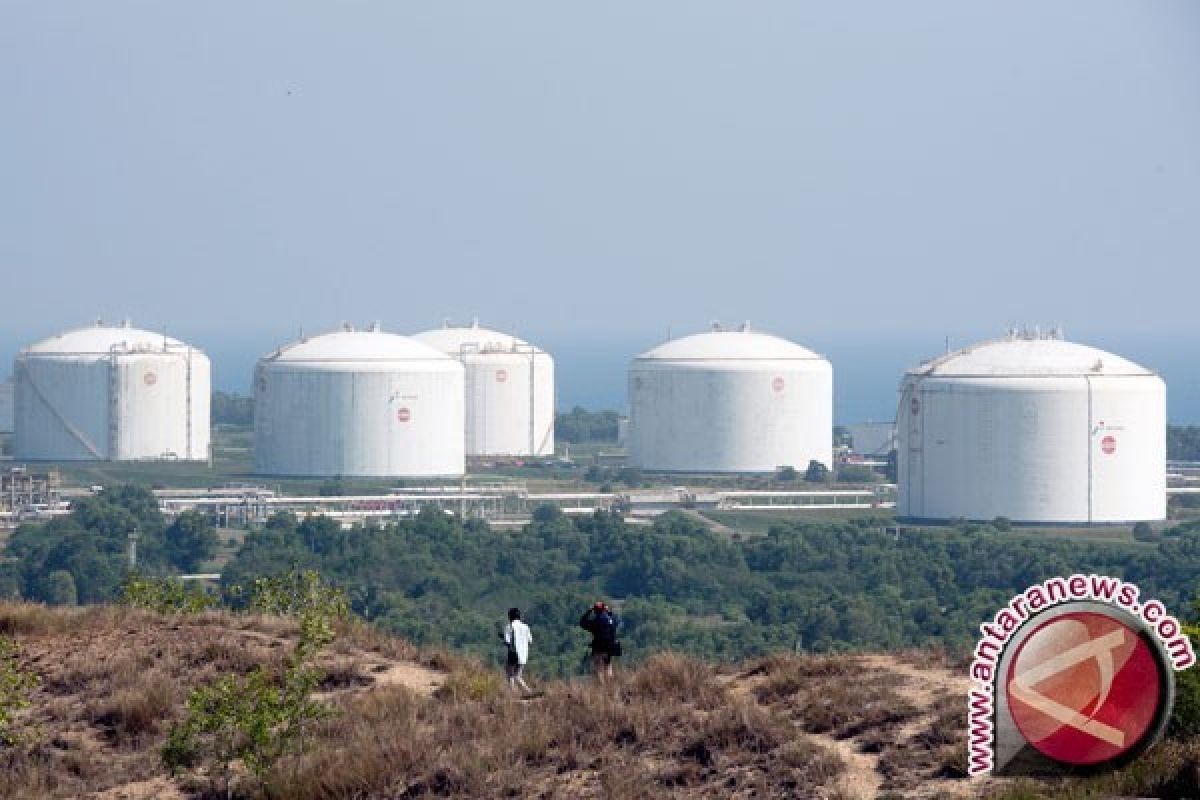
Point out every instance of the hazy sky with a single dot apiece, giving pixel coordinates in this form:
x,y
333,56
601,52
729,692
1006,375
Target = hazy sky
x,y
867,178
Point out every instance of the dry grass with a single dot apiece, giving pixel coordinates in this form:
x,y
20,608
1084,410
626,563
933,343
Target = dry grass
x,y
669,729
129,715
114,680
1170,771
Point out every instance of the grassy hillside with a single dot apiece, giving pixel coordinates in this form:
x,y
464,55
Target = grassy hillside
x,y
411,723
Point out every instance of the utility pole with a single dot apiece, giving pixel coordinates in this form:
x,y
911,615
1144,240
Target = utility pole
x,y
133,540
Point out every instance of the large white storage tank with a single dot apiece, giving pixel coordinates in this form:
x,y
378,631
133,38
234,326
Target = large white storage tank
x,y
111,393
730,401
6,407
359,404
1035,429
509,390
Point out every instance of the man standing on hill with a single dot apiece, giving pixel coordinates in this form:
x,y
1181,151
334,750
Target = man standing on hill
x,y
602,622
518,637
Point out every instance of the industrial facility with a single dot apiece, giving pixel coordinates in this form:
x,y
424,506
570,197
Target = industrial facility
x,y
111,393
359,404
730,401
1034,429
509,390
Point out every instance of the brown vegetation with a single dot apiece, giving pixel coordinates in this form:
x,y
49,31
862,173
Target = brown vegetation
x,y
415,724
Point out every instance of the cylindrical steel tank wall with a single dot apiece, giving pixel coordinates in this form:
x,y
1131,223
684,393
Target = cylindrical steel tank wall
x,y
359,404
112,394
509,390
730,401
1075,438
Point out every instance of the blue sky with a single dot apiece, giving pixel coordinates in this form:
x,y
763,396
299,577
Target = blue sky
x,y
867,178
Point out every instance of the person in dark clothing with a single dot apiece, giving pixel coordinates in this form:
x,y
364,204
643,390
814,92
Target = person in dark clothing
x,y
602,623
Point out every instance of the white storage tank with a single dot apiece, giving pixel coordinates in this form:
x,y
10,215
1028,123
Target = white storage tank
x,y
1035,429
111,393
730,401
6,407
359,404
509,390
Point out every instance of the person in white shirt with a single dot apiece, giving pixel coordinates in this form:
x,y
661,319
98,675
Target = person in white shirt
x,y
518,638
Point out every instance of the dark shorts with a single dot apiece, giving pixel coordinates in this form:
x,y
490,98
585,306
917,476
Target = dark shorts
x,y
606,649
511,661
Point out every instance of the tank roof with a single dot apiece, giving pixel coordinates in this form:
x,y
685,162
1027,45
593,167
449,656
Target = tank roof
x,y
729,345
352,345
451,339
1028,355
103,339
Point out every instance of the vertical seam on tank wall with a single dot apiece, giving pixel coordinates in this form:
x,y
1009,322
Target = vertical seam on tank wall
x,y
114,406
533,446
921,442
188,401
1090,428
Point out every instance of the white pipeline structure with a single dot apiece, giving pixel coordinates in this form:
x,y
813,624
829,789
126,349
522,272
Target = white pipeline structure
x,y
509,390
1035,429
359,404
730,401
111,393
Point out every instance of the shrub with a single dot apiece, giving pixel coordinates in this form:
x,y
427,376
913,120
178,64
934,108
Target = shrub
x,y
816,472
260,717
166,595
1143,532
855,473
15,685
472,684
1185,719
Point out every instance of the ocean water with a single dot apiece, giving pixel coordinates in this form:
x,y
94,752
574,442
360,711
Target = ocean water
x,y
867,368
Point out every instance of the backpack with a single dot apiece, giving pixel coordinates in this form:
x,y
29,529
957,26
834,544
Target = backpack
x,y
606,627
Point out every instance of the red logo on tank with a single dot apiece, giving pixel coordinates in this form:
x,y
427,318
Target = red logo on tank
x,y
404,415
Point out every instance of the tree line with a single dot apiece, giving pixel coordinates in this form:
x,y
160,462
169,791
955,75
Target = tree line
x,y
437,579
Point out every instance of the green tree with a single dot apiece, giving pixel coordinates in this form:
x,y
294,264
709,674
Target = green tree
x,y
580,425
191,540
1185,717
59,589
232,409
91,543
1144,532
816,472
